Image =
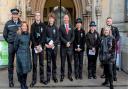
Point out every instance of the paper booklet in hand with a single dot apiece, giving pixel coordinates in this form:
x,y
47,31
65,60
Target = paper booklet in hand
x,y
38,49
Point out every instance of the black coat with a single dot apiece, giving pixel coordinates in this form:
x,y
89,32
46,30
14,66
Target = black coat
x,y
79,39
10,30
52,33
92,41
107,49
23,54
64,37
38,34
115,33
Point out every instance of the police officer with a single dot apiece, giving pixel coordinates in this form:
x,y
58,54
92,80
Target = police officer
x,y
9,35
92,42
66,39
107,55
52,39
38,42
79,43
116,35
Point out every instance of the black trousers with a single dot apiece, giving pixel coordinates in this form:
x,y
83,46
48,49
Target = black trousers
x,y
92,60
108,70
51,62
66,53
114,69
22,78
78,63
41,65
11,55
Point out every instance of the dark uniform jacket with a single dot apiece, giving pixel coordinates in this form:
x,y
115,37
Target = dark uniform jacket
x,y
92,41
10,30
23,54
52,33
64,37
79,39
38,34
107,49
115,33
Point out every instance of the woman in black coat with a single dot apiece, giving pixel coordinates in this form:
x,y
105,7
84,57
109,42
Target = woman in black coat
x,y
79,45
23,55
92,42
107,56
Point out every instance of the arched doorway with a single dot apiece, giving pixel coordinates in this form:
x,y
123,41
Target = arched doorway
x,y
46,6
54,6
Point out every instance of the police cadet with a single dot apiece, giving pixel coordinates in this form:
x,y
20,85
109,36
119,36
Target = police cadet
x,y
107,55
9,35
92,42
79,44
52,39
38,42
116,35
66,49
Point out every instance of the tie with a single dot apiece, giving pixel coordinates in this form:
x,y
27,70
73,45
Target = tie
x,y
67,30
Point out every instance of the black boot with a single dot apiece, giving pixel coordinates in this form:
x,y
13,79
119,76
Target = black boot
x,y
105,83
55,79
11,84
111,87
33,83
89,74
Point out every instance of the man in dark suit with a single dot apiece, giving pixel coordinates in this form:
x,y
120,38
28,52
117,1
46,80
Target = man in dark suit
x,y
66,49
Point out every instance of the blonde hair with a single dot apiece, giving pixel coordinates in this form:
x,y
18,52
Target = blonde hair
x,y
108,28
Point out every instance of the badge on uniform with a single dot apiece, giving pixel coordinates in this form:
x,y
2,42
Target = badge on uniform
x,y
81,34
54,31
41,29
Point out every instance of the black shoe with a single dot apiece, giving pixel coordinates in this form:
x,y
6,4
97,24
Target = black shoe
x,y
11,84
22,86
70,78
105,83
102,76
80,77
61,79
76,77
32,84
55,80
115,79
89,77
94,77
111,87
43,82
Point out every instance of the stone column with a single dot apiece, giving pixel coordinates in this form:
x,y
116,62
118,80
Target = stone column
x,y
98,15
93,10
23,10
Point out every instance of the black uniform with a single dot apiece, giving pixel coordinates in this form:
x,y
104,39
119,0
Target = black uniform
x,y
9,35
66,52
92,41
52,34
38,38
116,35
107,57
79,42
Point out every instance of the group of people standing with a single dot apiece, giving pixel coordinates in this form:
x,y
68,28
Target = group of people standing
x,y
72,45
